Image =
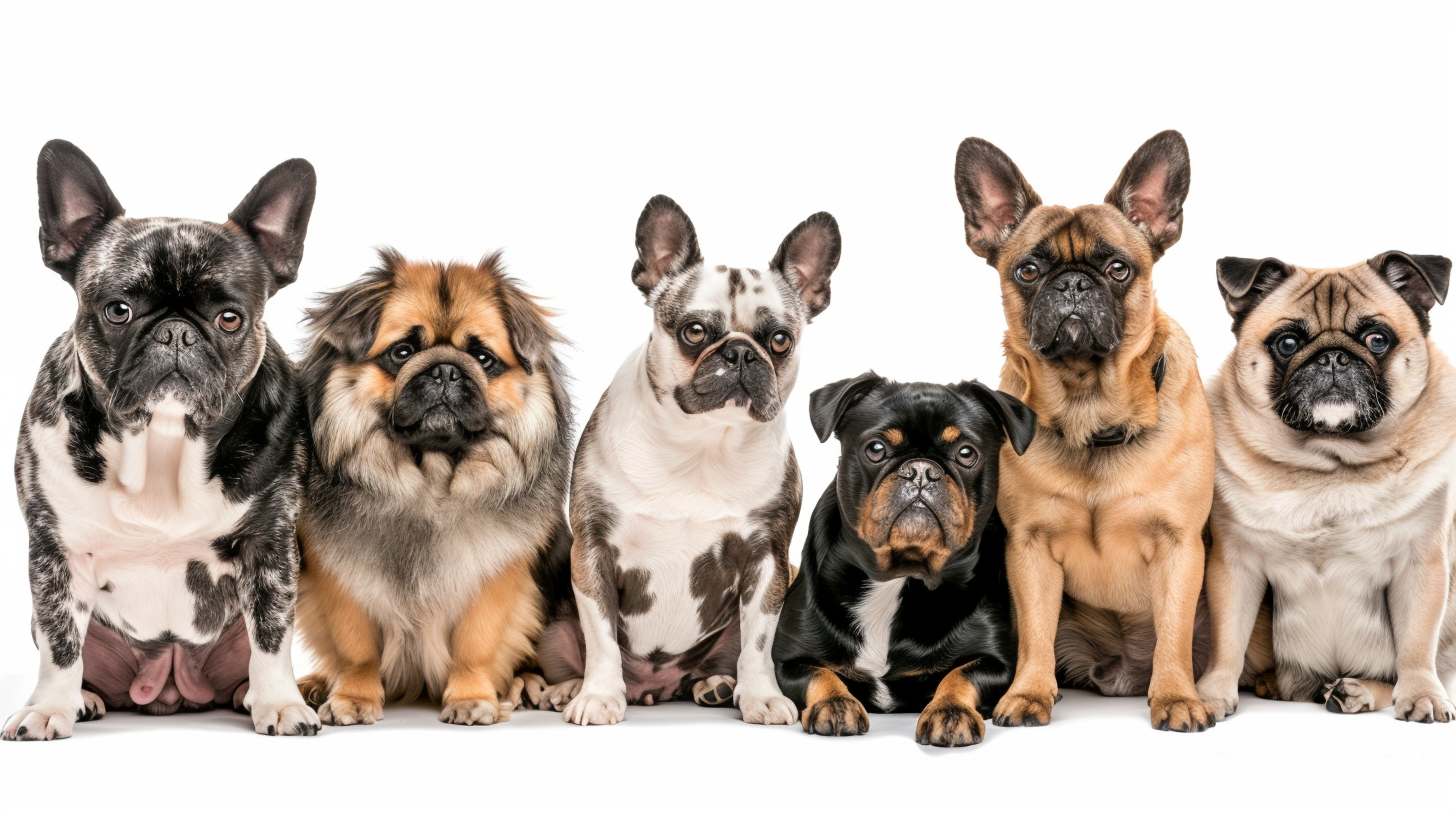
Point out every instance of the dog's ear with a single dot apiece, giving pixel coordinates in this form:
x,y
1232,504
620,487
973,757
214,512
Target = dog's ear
x,y
667,244
1017,420
1152,188
75,201
1245,282
807,257
1421,280
993,194
533,338
275,213
828,404
348,318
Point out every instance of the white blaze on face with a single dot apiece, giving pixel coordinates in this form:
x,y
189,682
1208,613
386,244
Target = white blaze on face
x,y
1334,414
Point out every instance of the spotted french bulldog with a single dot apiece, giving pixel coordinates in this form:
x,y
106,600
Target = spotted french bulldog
x,y
685,491
159,459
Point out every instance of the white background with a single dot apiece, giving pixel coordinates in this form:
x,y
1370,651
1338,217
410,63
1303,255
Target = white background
x,y
1322,135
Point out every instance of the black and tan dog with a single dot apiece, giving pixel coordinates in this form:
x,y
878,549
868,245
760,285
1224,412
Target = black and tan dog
x,y
1108,507
902,602
441,434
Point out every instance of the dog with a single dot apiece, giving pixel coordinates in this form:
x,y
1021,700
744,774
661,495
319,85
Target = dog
x,y
1336,487
435,492
1108,506
902,601
159,459
685,489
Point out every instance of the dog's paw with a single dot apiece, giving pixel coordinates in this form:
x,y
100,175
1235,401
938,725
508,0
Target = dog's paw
x,y
715,691
315,690
557,697
1024,709
767,709
1186,715
43,722
341,710
1266,686
528,690
91,707
1348,696
286,718
590,708
1220,697
840,716
1423,706
473,712
949,726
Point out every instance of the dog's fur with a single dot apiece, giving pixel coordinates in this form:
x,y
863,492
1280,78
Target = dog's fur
x,y
159,459
902,602
1336,486
1108,506
685,490
434,497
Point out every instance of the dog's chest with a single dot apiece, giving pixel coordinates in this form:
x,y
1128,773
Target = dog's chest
x,y
874,618
149,542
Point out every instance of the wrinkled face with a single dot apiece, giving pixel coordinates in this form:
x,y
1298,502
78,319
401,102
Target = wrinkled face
x,y
917,476
1331,351
1076,281
724,340
170,308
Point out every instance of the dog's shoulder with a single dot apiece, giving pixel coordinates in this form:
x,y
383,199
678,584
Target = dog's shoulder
x,y
263,449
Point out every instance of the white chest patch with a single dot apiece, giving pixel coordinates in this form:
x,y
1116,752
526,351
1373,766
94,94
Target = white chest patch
x,y
874,616
130,540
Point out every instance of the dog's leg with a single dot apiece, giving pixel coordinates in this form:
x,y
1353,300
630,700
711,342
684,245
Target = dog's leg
x,y
346,642
489,643
1350,696
602,698
1235,591
757,694
829,709
267,588
58,627
1175,571
1417,600
1036,592
951,720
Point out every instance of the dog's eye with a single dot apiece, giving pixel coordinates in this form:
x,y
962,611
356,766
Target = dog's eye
x,y
967,456
1119,270
117,313
780,343
694,333
487,360
875,451
1028,272
401,352
1285,345
1376,341
229,321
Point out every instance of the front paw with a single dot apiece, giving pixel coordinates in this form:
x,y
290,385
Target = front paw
x,y
1182,714
287,717
1220,697
1348,696
528,690
840,716
1423,706
472,712
1024,709
557,697
715,691
43,722
593,708
341,710
949,726
767,709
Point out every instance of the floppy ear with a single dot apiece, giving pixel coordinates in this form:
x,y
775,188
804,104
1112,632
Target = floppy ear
x,y
1017,420
808,257
1421,280
1245,282
993,195
533,338
1152,188
348,318
828,404
275,213
75,201
667,244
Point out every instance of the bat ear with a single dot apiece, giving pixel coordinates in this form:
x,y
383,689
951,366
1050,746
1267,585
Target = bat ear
x,y
75,202
807,257
275,213
1017,420
667,244
1245,282
828,404
1152,187
994,195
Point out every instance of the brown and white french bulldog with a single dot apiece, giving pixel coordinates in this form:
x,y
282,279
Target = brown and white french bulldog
x,y
1107,507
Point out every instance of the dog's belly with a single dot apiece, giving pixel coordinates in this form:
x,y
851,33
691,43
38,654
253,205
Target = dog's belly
x,y
1106,567
667,606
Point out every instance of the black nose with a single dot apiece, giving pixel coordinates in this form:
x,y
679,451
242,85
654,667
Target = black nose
x,y
733,352
445,372
1332,359
1072,281
171,331
921,471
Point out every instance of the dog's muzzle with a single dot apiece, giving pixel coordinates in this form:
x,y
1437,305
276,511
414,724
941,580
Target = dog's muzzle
x,y
915,519
170,360
1332,386
439,406
1073,315
737,373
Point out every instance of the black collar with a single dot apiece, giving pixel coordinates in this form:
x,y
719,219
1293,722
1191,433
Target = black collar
x,y
1119,435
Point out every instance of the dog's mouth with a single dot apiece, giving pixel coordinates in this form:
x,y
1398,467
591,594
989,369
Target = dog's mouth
x,y
1074,317
439,426
738,376
1332,394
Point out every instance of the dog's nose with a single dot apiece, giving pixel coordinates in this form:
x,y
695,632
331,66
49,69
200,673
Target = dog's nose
x,y
736,351
921,471
445,372
172,331
1072,281
1334,358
